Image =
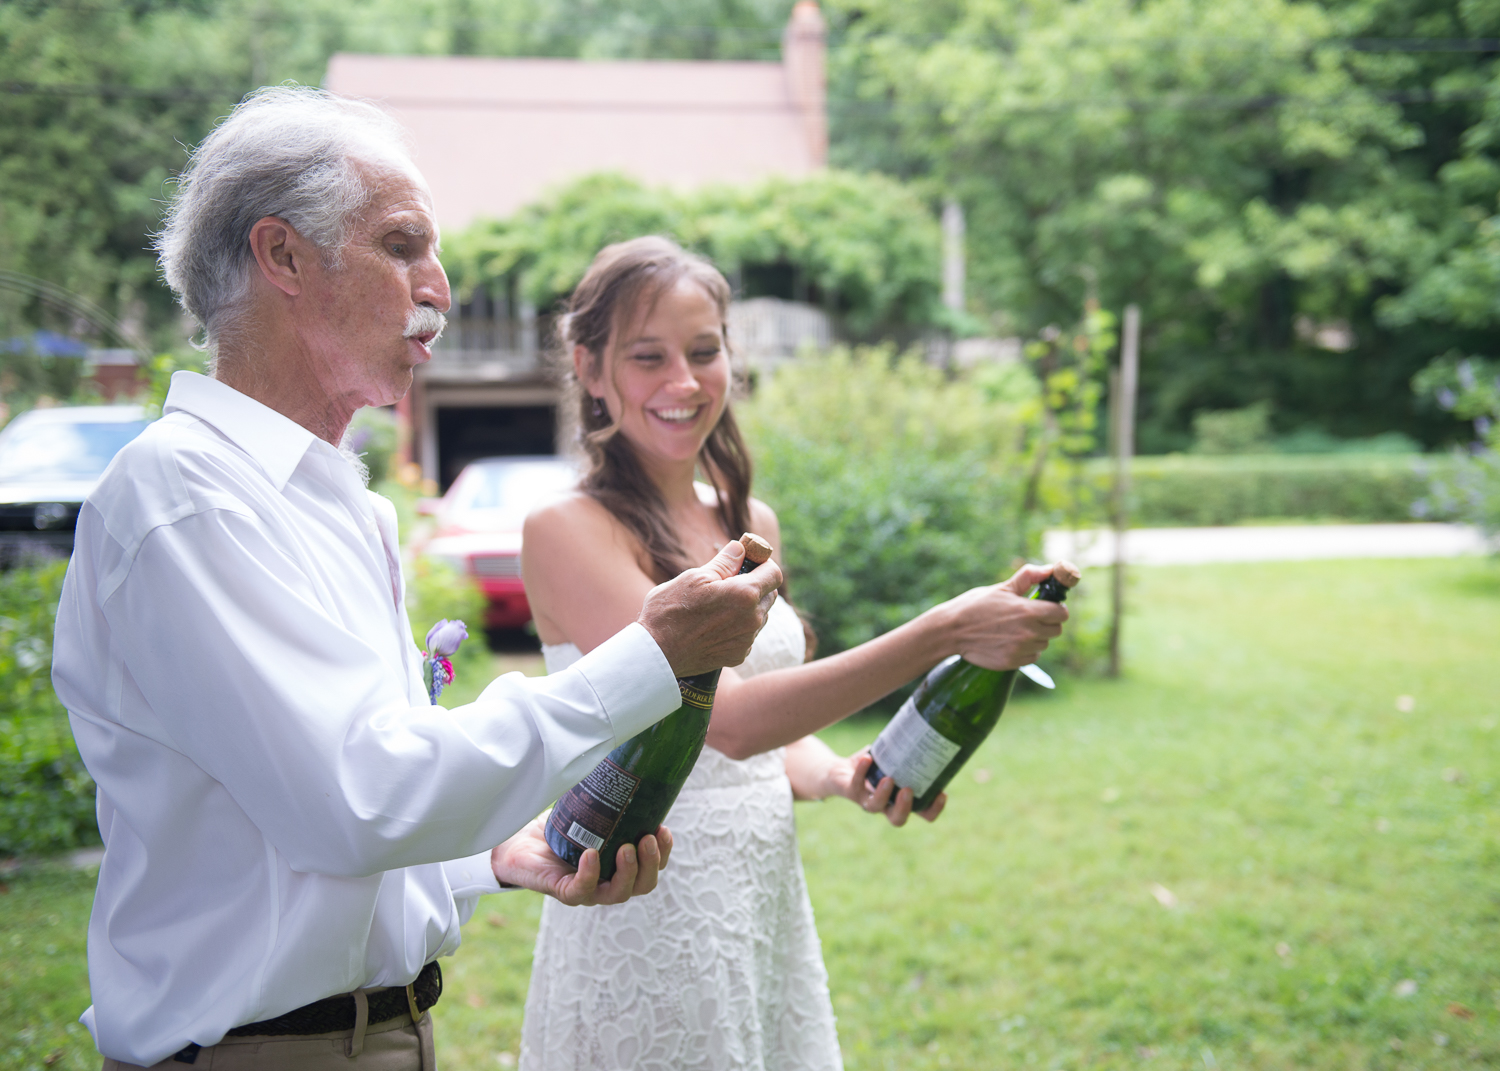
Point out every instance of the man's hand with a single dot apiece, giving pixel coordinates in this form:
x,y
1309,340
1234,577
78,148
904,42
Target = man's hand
x,y
707,618
998,627
526,861
846,778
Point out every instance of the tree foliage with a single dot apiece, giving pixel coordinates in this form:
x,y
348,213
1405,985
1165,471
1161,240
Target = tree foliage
x,y
1301,194
100,101
868,248
1252,172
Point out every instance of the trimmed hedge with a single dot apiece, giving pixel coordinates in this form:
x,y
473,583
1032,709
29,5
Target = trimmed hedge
x,y
1181,490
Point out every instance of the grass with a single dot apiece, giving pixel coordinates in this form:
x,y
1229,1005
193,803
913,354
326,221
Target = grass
x,y
44,984
1246,854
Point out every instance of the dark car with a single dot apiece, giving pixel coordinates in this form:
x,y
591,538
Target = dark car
x,y
50,459
479,526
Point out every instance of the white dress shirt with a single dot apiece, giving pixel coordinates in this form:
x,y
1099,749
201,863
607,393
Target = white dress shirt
x,y
276,793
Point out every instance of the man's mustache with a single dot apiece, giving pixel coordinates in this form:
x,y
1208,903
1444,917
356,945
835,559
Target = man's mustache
x,y
425,320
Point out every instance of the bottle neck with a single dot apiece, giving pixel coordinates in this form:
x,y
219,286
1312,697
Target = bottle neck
x,y
1050,590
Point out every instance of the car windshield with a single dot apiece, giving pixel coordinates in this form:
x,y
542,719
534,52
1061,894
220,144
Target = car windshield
x,y
509,490
43,452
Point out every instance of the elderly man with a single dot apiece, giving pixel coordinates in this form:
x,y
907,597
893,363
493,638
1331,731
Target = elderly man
x,y
293,835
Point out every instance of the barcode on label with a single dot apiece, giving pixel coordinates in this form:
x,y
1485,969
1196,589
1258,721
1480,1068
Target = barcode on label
x,y
582,836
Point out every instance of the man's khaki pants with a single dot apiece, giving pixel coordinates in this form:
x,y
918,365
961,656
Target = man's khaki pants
x,y
394,1045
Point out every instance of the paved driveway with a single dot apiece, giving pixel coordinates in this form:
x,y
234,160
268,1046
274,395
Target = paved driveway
x,y
1192,546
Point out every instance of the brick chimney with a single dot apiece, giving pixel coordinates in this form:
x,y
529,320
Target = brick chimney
x,y
803,51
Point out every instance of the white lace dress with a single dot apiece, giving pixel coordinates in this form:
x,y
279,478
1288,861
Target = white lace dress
x,y
720,968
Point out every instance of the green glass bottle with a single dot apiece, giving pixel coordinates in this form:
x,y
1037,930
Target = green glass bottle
x,y
629,794
948,716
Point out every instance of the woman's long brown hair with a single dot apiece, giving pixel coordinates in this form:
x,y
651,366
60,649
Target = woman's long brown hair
x,y
624,279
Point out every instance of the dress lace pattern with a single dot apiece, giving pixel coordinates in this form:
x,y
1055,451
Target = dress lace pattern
x,y
720,968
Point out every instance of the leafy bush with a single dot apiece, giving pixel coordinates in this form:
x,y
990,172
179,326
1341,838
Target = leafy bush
x,y
1468,488
896,486
1232,431
868,243
46,795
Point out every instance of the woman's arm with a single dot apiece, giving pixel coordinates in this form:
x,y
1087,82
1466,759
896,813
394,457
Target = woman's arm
x,y
585,582
996,627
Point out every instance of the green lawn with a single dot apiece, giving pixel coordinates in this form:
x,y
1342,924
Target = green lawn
x,y
1247,854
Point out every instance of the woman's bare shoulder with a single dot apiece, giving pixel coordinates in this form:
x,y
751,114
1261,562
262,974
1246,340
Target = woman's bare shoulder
x,y
568,514
573,526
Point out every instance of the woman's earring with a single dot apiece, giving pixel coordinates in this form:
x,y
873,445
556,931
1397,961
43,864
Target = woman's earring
x,y
598,407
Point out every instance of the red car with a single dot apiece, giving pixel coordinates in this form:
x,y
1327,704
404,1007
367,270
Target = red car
x,y
479,526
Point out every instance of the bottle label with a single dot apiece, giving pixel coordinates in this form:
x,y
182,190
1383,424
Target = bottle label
x,y
695,696
911,750
588,814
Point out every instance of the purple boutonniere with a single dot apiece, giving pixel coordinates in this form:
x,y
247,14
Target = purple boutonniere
x,y
442,641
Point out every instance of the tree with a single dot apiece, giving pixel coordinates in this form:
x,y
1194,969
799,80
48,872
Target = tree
x,y
100,101
1254,176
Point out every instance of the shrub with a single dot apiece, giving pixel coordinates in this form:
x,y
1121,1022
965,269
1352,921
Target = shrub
x,y
46,795
1468,489
1465,487
896,486
1232,431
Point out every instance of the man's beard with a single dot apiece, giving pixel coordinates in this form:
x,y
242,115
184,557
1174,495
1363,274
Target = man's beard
x,y
425,320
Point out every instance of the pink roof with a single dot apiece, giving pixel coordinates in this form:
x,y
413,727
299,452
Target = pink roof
x,y
493,134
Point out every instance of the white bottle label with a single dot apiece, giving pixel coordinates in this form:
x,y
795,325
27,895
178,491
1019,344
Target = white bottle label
x,y
911,750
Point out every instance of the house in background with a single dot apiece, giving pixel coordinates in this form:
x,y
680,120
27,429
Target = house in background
x,y
492,135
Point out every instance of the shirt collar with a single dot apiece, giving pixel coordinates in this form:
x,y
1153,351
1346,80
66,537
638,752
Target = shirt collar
x,y
273,441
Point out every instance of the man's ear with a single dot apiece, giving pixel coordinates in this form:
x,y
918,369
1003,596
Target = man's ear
x,y
281,254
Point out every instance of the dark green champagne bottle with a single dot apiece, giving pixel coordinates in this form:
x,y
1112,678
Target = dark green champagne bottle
x,y
948,716
630,792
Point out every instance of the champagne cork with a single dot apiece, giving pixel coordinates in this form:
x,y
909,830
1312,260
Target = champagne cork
x,y
1066,574
758,550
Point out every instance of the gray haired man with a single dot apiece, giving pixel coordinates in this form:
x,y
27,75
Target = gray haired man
x,y
293,835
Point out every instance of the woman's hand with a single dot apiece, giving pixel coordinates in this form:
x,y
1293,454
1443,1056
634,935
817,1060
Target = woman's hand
x,y
525,861
846,777
817,772
998,627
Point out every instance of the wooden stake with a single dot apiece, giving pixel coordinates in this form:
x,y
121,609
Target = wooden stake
x,y
1124,384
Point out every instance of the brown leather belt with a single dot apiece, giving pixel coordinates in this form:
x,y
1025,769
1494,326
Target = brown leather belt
x,y
338,1012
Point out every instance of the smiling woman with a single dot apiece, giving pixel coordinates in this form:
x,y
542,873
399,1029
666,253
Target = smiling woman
x,y
720,968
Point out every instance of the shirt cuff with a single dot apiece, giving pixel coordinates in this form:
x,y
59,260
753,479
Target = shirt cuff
x,y
472,876
635,685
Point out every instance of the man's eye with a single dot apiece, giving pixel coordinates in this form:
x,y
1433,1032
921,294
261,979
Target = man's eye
x,y
398,249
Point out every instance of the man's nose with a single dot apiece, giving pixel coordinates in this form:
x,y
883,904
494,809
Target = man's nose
x,y
432,286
